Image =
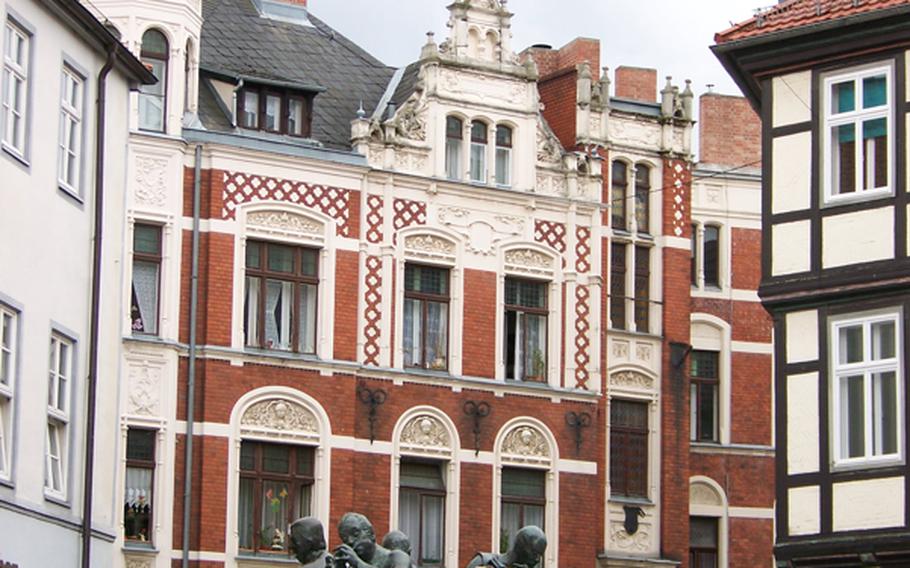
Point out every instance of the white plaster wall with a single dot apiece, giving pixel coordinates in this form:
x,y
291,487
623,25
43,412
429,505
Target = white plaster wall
x,y
790,250
804,510
870,504
802,423
790,178
792,98
862,236
802,336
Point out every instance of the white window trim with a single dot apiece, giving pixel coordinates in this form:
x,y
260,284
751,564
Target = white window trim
x,y
724,348
856,117
448,459
453,261
866,320
7,392
485,166
323,241
631,164
724,268
509,151
23,73
71,116
320,440
59,415
719,511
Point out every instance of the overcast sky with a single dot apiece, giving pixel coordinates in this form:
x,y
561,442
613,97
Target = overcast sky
x,y
670,35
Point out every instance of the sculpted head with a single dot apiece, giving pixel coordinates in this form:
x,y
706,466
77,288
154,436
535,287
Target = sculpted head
x,y
307,539
397,540
356,531
529,546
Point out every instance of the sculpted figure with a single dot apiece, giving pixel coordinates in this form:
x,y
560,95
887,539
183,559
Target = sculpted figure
x,y
308,542
397,540
526,550
360,549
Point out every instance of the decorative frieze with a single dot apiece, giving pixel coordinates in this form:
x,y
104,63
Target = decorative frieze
x,y
285,224
372,311
631,379
278,415
525,444
430,246
426,434
151,181
582,341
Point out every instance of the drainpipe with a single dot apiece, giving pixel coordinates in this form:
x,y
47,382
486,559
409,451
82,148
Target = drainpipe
x,y
234,105
191,365
95,315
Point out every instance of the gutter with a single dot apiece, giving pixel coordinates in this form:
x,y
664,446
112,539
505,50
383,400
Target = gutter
x,y
191,365
95,315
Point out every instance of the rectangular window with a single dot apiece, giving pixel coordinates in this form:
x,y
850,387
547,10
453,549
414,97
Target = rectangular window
x,y
146,278
297,121
704,385
478,152
693,259
280,297
711,256
250,114
620,180
426,317
69,151
138,498
618,286
58,414
642,198
523,502
503,156
642,289
276,488
421,510
281,111
868,388
16,56
629,448
526,330
703,542
8,320
857,126
454,142
272,112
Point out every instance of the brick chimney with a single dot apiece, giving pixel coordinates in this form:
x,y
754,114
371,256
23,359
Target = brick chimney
x,y
297,2
637,83
550,61
729,131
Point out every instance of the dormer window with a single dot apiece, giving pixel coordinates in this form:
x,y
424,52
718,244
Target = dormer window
x,y
454,138
281,111
478,152
503,156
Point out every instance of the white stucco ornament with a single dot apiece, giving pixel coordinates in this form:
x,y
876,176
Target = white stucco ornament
x,y
279,415
529,258
526,441
427,431
284,222
151,181
631,379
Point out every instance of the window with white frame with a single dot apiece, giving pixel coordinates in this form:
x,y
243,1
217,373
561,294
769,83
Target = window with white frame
x,y
421,510
139,491
867,383
478,152
8,330
426,317
704,392
525,340
642,198
503,156
153,98
857,126
144,302
58,414
69,149
629,448
705,261
630,259
454,142
703,542
16,56
523,501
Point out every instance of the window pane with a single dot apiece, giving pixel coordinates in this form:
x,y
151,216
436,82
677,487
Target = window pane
x,y
276,459
875,91
518,482
534,515
850,347
884,422
281,258
305,460
6,348
426,279
535,346
642,289
421,475
704,364
250,109
144,308
278,304
140,445
453,158
703,532
843,159
853,417
154,41
275,515
437,334
712,256
248,456
307,316
843,97
618,195
504,136
253,253
251,311
509,525
875,153
618,286
413,332
707,398
479,132
454,128
295,117
883,340
478,162
304,501
245,514
630,414
137,504
503,166
272,112
409,518
147,239
642,197
309,260
432,531
526,293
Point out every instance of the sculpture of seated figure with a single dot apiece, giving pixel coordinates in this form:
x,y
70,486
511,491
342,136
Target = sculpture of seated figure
x,y
526,551
307,542
360,549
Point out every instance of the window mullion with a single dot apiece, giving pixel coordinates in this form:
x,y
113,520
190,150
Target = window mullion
x,y
869,418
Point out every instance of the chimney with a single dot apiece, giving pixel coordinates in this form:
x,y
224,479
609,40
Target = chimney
x,y
576,52
297,2
729,131
637,83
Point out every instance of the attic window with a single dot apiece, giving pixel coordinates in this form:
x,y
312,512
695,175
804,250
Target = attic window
x,y
282,111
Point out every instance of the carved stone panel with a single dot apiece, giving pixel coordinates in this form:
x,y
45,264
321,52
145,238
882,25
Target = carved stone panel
x,y
144,395
632,379
525,443
281,415
482,230
429,245
426,432
642,541
151,181
282,222
703,494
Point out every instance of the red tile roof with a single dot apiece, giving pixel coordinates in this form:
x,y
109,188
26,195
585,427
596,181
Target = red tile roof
x,y
792,14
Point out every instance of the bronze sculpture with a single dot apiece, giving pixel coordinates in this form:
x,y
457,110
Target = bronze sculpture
x,y
526,551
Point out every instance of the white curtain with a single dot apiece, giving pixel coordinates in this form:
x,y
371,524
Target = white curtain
x,y
307,330
278,303
511,518
437,338
145,292
245,514
252,311
413,346
138,486
409,519
433,529
478,162
453,158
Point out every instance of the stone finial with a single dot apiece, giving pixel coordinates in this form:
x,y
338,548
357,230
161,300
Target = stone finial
x,y
686,101
583,90
429,49
667,102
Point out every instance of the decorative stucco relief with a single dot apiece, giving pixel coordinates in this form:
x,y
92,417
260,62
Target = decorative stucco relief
x,y
281,415
132,562
426,431
410,160
634,133
702,494
284,222
473,87
549,149
144,398
151,181
551,183
526,441
482,230
631,379
430,245
638,542
529,258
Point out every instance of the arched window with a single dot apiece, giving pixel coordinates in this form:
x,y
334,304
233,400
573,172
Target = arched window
x,y
153,98
642,197
454,141
712,256
707,523
478,152
618,195
503,156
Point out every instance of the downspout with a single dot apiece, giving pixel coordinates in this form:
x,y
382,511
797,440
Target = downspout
x,y
95,315
191,365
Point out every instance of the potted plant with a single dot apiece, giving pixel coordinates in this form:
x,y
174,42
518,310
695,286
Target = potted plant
x,y
538,369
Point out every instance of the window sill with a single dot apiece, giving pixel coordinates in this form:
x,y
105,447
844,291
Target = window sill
x,y
281,559
857,197
631,500
15,155
134,546
287,355
867,464
70,193
56,499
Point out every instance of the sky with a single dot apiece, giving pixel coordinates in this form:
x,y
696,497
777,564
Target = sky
x,y
670,35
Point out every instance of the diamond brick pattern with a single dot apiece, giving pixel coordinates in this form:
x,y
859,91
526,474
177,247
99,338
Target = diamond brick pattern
x,y
582,341
582,249
552,234
408,213
374,219
679,186
372,312
242,188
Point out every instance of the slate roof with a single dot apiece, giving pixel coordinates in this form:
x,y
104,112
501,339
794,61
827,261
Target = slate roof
x,y
793,14
237,42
